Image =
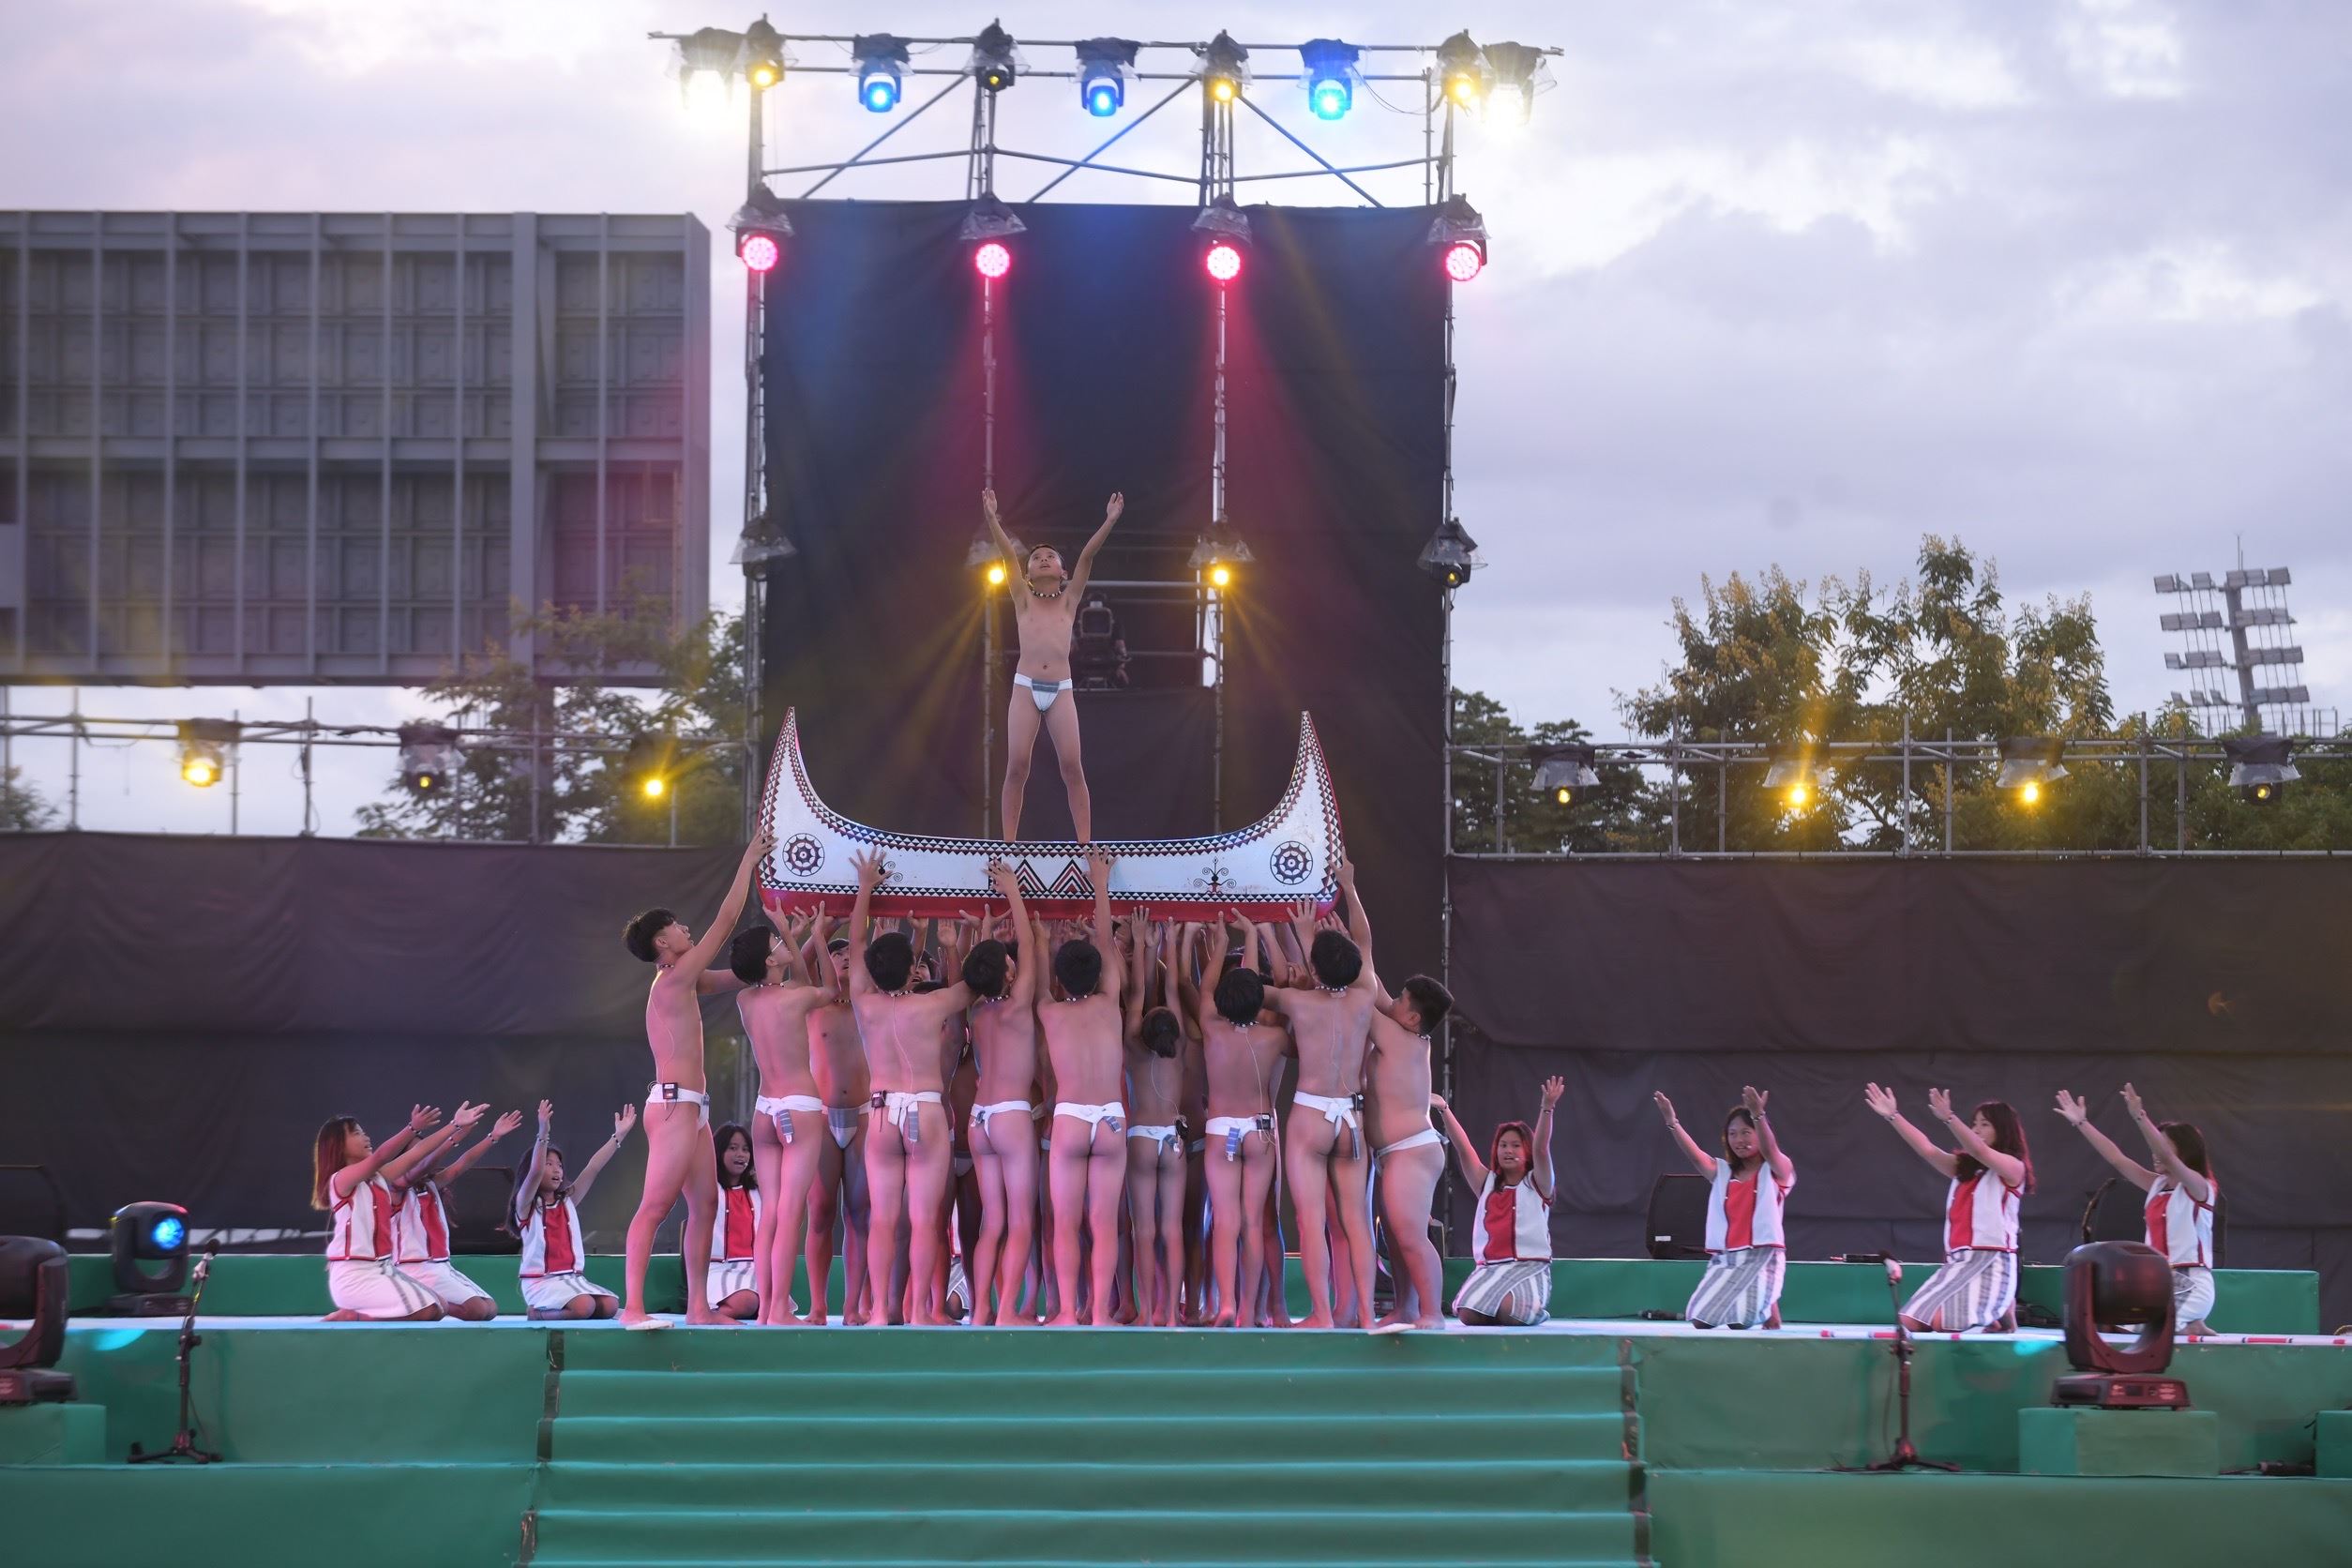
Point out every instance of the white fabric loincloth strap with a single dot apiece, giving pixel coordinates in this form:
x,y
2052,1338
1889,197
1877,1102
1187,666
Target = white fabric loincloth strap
x,y
1426,1136
1166,1137
1338,1109
675,1095
980,1114
1233,1129
898,1108
779,1108
1110,1115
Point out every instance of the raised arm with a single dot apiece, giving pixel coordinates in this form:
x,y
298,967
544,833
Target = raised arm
x,y
1117,505
869,866
2196,1187
1359,924
473,1157
420,1155
1176,972
2008,1167
2077,1113
1752,1099
1702,1161
1143,945
996,532
1540,1157
605,1150
721,929
1026,968
1474,1169
1882,1102
527,1190
1106,941
343,1181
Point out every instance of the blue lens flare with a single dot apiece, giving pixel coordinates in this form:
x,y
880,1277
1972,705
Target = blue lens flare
x,y
1101,101
879,92
1331,100
167,1232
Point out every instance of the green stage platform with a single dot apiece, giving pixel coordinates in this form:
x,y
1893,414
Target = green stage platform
x,y
2248,1300
1620,1444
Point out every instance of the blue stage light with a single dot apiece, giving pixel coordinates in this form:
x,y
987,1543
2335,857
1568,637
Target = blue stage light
x,y
879,91
1331,71
167,1232
880,60
1102,97
1331,100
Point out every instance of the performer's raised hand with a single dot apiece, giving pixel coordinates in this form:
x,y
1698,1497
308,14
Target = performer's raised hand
x,y
467,1115
761,842
1940,1104
1554,1087
988,505
1880,1101
1665,1106
547,1114
506,1124
622,1121
421,1118
2131,1103
2074,1109
1111,509
1752,1100
868,864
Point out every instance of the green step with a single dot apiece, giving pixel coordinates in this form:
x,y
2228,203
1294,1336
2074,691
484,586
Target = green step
x,y
859,1437
1342,1392
1240,1490
1355,1537
548,1559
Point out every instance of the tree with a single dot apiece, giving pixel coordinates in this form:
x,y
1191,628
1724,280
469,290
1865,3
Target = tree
x,y
1530,822
579,790
21,808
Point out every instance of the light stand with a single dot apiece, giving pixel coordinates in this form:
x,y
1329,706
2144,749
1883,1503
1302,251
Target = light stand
x,y
184,1441
1905,1456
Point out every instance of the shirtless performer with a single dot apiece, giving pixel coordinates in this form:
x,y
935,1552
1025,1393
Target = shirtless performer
x,y
1407,1151
1325,1153
678,1155
788,1125
1045,612
1004,1134
1155,1132
1088,1167
836,1061
1244,1058
906,1149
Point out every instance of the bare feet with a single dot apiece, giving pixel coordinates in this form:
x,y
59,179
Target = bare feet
x,y
707,1318
1065,1320
1312,1321
340,1314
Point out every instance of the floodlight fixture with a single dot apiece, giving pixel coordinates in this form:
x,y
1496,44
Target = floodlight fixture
x,y
764,58
985,228
1463,72
647,765
1223,69
1220,544
1516,72
2118,1285
1560,771
141,1234
2030,763
880,60
1330,76
1790,771
1105,66
760,229
2260,765
204,750
1459,235
995,62
713,51
761,542
427,753
1450,555
1224,230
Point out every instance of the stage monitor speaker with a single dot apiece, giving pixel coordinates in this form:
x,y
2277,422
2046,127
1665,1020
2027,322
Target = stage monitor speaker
x,y
1676,1224
476,1207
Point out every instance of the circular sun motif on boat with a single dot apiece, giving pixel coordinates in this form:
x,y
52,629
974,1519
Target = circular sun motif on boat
x,y
1291,863
803,855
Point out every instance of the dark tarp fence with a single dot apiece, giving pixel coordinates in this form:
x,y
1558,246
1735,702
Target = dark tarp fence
x,y
2215,987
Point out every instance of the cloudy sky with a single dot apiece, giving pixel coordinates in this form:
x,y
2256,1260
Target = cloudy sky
x,y
1782,284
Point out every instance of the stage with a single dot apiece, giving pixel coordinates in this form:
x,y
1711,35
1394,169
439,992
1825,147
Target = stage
x,y
1583,1441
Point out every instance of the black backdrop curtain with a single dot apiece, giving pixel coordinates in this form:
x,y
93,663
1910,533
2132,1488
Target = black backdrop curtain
x,y
1104,344
2214,987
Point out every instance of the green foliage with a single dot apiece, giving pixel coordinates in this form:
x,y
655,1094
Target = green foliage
x,y
21,808
582,793
1532,822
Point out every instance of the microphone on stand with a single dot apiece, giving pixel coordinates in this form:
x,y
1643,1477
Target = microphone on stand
x,y
1894,1271
203,1262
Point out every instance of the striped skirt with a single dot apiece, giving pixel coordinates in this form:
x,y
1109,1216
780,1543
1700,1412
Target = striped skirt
x,y
1740,1287
1519,1294
1975,1288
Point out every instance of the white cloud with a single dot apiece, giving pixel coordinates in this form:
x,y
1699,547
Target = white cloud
x,y
2125,48
2201,282
1943,73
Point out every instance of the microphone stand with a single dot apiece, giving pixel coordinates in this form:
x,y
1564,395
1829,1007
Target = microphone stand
x,y
184,1441
1905,1456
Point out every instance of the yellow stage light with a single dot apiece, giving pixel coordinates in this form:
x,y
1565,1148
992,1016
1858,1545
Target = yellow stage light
x,y
654,786
1800,796
996,574
1223,88
1220,576
764,74
1563,795
201,771
2030,793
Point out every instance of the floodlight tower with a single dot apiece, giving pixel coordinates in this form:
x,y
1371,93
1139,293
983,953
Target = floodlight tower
x,y
2241,625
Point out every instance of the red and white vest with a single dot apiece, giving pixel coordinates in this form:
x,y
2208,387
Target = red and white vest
x,y
1511,1225
551,1241
736,1230
2179,1225
1981,1216
363,1224
1746,1212
423,1226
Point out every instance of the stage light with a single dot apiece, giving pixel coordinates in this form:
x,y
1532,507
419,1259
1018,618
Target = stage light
x,y
760,229
36,1286
2029,764
996,574
1517,73
204,750
425,754
762,56
649,765
1104,66
144,1233
762,540
1562,770
655,786
2118,1285
1220,544
1224,261
1330,76
1791,773
985,228
760,252
995,62
716,53
1463,72
880,60
992,260
1223,69
1225,229
1459,235
1450,555
2260,765
1220,576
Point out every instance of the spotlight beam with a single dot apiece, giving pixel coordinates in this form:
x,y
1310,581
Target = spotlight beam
x,y
1329,167
897,123
1088,162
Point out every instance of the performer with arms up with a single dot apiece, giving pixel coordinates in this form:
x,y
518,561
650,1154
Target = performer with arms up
x,y
347,1180
1156,1134
2179,1190
837,1060
423,1220
1406,1151
1511,1226
678,1155
906,1149
1977,1287
1747,1251
544,1210
1088,1167
1046,609
788,1130
1004,985
1242,1057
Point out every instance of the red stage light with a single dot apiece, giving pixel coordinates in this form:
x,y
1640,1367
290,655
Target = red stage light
x,y
992,260
1464,261
760,252
1224,262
